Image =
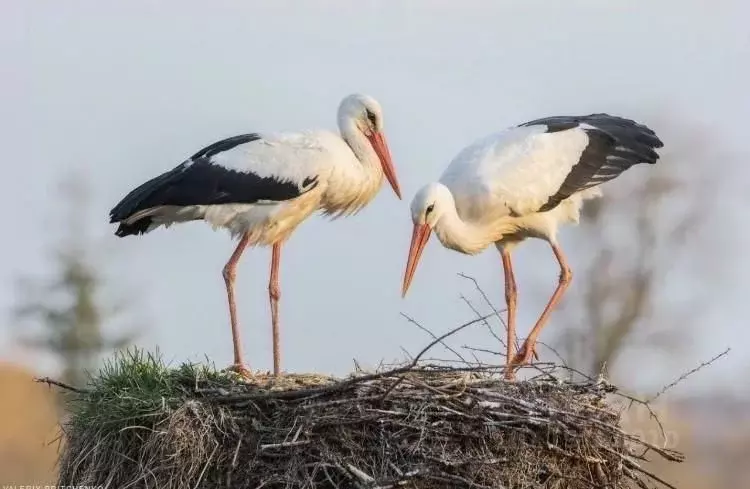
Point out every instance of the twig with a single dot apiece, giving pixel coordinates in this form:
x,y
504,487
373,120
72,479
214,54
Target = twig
x,y
427,348
480,350
270,446
406,352
426,330
444,336
360,474
689,373
489,327
651,412
634,466
481,292
489,303
51,382
554,352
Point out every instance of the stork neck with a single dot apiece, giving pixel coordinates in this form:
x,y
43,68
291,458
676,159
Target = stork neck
x,y
465,236
356,178
359,145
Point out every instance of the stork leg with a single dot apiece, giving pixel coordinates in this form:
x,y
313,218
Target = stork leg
x,y
566,275
510,301
230,272
274,293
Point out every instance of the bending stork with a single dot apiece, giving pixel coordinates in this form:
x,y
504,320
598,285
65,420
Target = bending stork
x,y
260,187
524,183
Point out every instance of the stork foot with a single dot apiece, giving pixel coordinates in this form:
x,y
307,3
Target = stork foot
x,y
523,357
241,370
525,354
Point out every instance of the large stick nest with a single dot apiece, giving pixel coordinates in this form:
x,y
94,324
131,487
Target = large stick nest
x,y
141,425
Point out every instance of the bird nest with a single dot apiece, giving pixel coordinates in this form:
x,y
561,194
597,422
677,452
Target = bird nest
x,y
143,425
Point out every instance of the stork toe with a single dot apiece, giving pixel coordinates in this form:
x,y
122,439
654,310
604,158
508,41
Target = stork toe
x,y
524,355
240,370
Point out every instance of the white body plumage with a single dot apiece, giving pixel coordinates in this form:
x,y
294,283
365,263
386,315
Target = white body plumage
x,y
279,179
524,183
496,189
344,185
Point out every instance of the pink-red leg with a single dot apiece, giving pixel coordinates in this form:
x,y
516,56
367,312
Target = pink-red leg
x,y
229,273
510,301
528,348
274,293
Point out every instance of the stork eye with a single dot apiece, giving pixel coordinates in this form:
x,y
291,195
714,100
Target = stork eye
x,y
430,208
371,117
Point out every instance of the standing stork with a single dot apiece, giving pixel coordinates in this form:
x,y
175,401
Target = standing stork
x,y
523,183
260,187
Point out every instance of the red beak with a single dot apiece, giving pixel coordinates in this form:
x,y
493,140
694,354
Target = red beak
x,y
419,238
377,140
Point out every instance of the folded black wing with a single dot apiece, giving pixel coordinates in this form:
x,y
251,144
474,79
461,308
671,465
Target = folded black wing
x,y
203,181
615,144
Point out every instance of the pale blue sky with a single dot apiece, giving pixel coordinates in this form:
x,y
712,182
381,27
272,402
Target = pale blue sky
x,y
127,90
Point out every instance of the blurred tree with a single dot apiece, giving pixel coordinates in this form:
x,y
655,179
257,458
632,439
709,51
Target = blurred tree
x,y
637,236
712,431
69,305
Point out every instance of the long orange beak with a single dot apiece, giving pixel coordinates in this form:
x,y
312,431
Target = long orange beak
x,y
377,140
419,238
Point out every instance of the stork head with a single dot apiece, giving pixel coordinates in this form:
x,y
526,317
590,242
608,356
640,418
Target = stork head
x,y
427,207
364,114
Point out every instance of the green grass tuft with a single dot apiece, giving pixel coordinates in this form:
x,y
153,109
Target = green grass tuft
x,y
136,384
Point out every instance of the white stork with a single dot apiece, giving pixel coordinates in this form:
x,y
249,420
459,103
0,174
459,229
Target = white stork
x,y
523,183
260,187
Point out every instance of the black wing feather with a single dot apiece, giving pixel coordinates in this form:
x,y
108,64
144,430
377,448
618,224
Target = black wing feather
x,y
615,144
225,145
198,181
